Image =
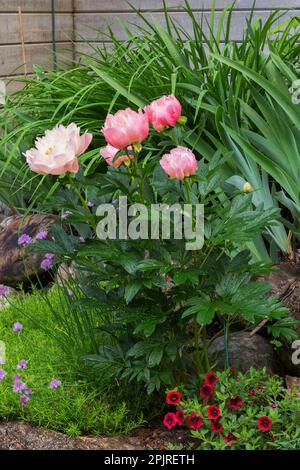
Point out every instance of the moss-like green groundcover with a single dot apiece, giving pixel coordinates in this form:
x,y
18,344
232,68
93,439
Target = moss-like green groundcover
x,y
76,406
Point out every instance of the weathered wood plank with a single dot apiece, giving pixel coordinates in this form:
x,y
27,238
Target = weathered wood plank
x,y
93,26
122,5
11,57
35,5
91,48
36,27
13,83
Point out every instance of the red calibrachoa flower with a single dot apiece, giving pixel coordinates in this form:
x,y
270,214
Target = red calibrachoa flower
x,y
180,417
170,420
173,398
195,421
213,412
211,378
207,391
264,423
235,402
216,425
230,438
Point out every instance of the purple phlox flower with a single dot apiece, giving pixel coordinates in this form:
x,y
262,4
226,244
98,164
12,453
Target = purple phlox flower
x,y
16,377
19,386
47,262
66,215
42,235
50,256
28,392
22,364
17,327
2,374
3,290
90,204
55,383
24,399
24,239
81,239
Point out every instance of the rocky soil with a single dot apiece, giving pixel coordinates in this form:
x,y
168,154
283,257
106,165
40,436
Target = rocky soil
x,y
23,436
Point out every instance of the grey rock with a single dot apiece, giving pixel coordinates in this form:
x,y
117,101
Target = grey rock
x,y
244,352
17,263
5,210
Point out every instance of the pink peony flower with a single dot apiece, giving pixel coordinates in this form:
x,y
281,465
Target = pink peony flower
x,y
57,151
109,153
126,127
163,112
179,163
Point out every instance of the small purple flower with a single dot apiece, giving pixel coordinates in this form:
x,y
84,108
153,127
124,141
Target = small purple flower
x,y
90,204
66,215
81,239
50,256
28,392
24,239
22,364
55,383
2,374
24,399
46,264
17,327
42,235
16,377
3,290
19,386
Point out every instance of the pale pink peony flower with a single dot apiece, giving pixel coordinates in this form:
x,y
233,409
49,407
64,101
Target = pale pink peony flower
x,y
126,127
109,152
163,112
57,151
179,163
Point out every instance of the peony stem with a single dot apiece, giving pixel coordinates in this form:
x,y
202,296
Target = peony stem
x,y
205,349
197,350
